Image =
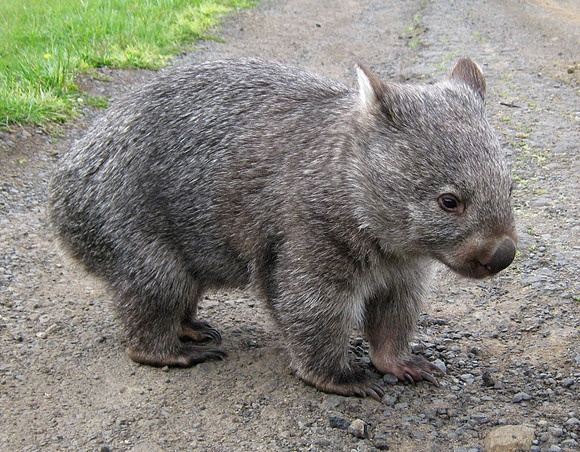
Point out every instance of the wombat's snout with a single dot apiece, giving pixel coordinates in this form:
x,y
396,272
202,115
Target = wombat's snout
x,y
503,256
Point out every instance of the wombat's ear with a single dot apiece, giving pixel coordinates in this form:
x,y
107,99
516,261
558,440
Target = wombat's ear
x,y
469,73
371,89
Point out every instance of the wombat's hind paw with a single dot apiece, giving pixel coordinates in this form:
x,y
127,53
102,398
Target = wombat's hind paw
x,y
187,356
199,331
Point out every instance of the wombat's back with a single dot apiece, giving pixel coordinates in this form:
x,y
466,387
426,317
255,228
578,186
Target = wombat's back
x,y
196,144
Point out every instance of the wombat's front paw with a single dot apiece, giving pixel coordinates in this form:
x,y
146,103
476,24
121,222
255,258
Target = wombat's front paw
x,y
411,369
186,355
356,384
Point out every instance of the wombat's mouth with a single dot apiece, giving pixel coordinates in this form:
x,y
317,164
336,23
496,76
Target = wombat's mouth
x,y
482,263
473,270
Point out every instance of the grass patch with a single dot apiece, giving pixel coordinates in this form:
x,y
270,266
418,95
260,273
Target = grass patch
x,y
413,32
45,43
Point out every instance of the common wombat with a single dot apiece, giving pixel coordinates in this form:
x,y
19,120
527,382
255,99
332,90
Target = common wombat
x,y
331,203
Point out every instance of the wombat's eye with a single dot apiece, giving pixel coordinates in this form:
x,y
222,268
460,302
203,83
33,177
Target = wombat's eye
x,y
451,203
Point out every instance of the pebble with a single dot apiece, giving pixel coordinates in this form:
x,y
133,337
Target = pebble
x,y
467,378
338,422
332,402
358,428
509,438
521,396
554,448
570,444
390,379
487,378
388,400
572,421
568,382
555,431
441,365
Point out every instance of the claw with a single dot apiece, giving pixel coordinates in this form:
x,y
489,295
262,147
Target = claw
x,y
200,332
408,378
213,334
436,369
376,392
427,376
359,392
215,353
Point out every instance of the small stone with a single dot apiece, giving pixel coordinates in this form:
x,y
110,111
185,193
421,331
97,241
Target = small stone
x,y
572,421
441,365
487,379
555,431
390,379
467,378
568,382
380,442
358,429
332,402
165,368
570,444
520,397
338,422
554,448
388,400
509,438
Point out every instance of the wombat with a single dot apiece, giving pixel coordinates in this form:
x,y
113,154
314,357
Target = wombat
x,y
331,203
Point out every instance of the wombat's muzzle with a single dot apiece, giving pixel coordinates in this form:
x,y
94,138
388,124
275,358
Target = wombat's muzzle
x,y
503,256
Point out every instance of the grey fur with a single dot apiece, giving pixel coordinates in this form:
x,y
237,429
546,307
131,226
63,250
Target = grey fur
x,y
325,200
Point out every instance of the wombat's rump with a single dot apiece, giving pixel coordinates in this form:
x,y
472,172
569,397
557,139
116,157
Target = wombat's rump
x,y
330,203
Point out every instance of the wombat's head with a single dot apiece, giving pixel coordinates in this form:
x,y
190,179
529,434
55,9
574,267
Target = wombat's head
x,y
435,179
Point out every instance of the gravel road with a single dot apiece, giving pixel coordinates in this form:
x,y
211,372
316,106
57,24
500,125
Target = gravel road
x,y
510,344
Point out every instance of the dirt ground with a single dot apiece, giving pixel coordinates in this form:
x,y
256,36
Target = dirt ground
x,y
510,344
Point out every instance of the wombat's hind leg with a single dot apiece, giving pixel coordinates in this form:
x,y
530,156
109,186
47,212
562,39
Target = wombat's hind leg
x,y
199,331
159,315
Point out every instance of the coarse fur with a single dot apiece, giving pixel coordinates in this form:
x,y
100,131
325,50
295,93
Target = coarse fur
x,y
331,203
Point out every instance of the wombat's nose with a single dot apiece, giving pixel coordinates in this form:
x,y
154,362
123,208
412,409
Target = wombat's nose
x,y
503,256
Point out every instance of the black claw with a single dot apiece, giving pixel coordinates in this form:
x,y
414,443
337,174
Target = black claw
x,y
211,334
408,378
427,376
359,392
375,392
436,369
215,354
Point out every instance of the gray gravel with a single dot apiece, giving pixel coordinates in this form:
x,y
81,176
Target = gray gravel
x,y
510,345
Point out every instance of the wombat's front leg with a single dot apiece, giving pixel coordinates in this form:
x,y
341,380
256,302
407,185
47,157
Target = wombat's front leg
x,y
390,323
317,322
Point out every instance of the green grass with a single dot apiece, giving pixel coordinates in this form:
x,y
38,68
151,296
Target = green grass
x,y
45,43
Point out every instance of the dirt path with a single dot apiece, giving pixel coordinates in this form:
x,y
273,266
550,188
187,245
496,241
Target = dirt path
x,y
511,344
